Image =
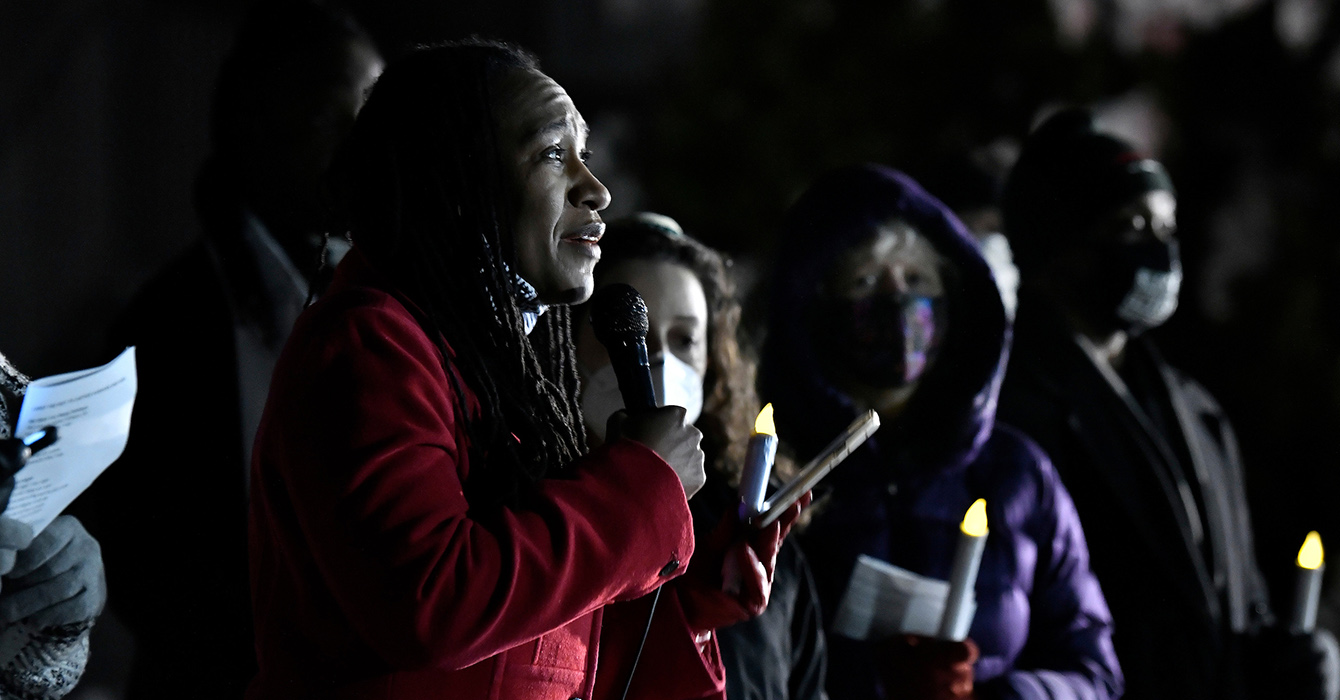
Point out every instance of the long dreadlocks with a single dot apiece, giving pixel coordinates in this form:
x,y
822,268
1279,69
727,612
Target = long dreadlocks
x,y
421,181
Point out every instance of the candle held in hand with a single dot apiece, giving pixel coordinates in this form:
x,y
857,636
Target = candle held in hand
x,y
1311,565
963,577
763,451
758,465
811,474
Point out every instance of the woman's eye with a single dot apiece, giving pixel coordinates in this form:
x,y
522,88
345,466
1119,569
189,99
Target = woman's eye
x,y
686,341
585,154
555,153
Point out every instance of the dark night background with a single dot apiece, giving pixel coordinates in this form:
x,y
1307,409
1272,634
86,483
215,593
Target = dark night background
x,y
718,113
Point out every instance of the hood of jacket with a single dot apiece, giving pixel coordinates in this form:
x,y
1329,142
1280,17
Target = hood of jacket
x,y
952,412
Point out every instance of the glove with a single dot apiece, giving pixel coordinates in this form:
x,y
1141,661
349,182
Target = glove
x,y
14,536
57,580
922,668
729,579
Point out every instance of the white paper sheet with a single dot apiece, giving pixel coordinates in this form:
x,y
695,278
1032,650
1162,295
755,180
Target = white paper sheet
x,y
883,600
91,411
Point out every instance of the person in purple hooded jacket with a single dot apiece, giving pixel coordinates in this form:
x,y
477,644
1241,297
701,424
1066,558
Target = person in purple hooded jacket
x,y
882,302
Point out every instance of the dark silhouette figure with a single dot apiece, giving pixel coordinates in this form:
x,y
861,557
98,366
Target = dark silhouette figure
x,y
172,514
1146,451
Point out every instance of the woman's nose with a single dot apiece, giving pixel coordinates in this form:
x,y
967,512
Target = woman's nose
x,y
588,191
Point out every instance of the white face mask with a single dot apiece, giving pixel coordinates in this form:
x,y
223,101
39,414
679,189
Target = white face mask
x,y
1153,298
675,382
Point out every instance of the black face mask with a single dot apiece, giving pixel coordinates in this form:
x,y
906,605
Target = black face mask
x,y
884,341
1137,284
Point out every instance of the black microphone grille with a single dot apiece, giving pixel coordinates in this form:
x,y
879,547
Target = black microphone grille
x,y
618,314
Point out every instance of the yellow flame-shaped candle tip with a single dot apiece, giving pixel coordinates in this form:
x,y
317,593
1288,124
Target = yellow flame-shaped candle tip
x,y
1311,555
764,425
974,523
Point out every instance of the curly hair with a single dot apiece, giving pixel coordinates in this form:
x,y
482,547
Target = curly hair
x,y
730,402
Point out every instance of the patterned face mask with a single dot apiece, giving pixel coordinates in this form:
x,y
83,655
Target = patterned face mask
x,y
883,341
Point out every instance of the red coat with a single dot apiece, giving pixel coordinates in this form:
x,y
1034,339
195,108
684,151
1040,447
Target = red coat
x,y
371,580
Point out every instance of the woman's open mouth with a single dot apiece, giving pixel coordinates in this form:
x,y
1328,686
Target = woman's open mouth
x,y
586,239
589,234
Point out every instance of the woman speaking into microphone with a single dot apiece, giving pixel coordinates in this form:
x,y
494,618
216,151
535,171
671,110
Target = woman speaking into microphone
x,y
426,519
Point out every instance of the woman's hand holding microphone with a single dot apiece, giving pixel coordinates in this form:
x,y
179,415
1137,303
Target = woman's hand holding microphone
x,y
667,432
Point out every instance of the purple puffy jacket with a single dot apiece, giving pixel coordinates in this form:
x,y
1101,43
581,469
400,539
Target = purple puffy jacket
x,y
1042,624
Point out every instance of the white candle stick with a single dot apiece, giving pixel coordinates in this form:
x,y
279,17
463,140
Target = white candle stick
x,y
846,443
963,577
1311,565
758,465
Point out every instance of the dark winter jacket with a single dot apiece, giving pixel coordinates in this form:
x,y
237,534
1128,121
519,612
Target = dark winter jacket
x,y
188,433
1159,486
1041,622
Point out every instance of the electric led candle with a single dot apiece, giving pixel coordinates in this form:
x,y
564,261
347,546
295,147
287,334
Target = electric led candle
x,y
811,474
963,577
1311,565
758,465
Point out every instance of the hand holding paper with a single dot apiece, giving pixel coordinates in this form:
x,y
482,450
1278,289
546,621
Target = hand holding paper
x,y
57,580
883,600
14,536
91,408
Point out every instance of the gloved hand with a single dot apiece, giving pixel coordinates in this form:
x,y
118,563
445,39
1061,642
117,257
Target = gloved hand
x,y
729,579
57,580
922,668
14,536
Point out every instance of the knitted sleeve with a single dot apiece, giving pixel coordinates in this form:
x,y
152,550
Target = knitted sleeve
x,y
42,664
12,385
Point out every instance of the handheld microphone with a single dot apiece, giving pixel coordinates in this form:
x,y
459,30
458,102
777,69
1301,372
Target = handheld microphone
x,y
619,317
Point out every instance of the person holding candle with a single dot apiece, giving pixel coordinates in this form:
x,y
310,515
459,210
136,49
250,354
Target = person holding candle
x,y
697,363
883,301
1147,452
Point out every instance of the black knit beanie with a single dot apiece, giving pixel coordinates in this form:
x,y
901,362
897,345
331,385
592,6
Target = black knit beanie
x,y
1069,176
